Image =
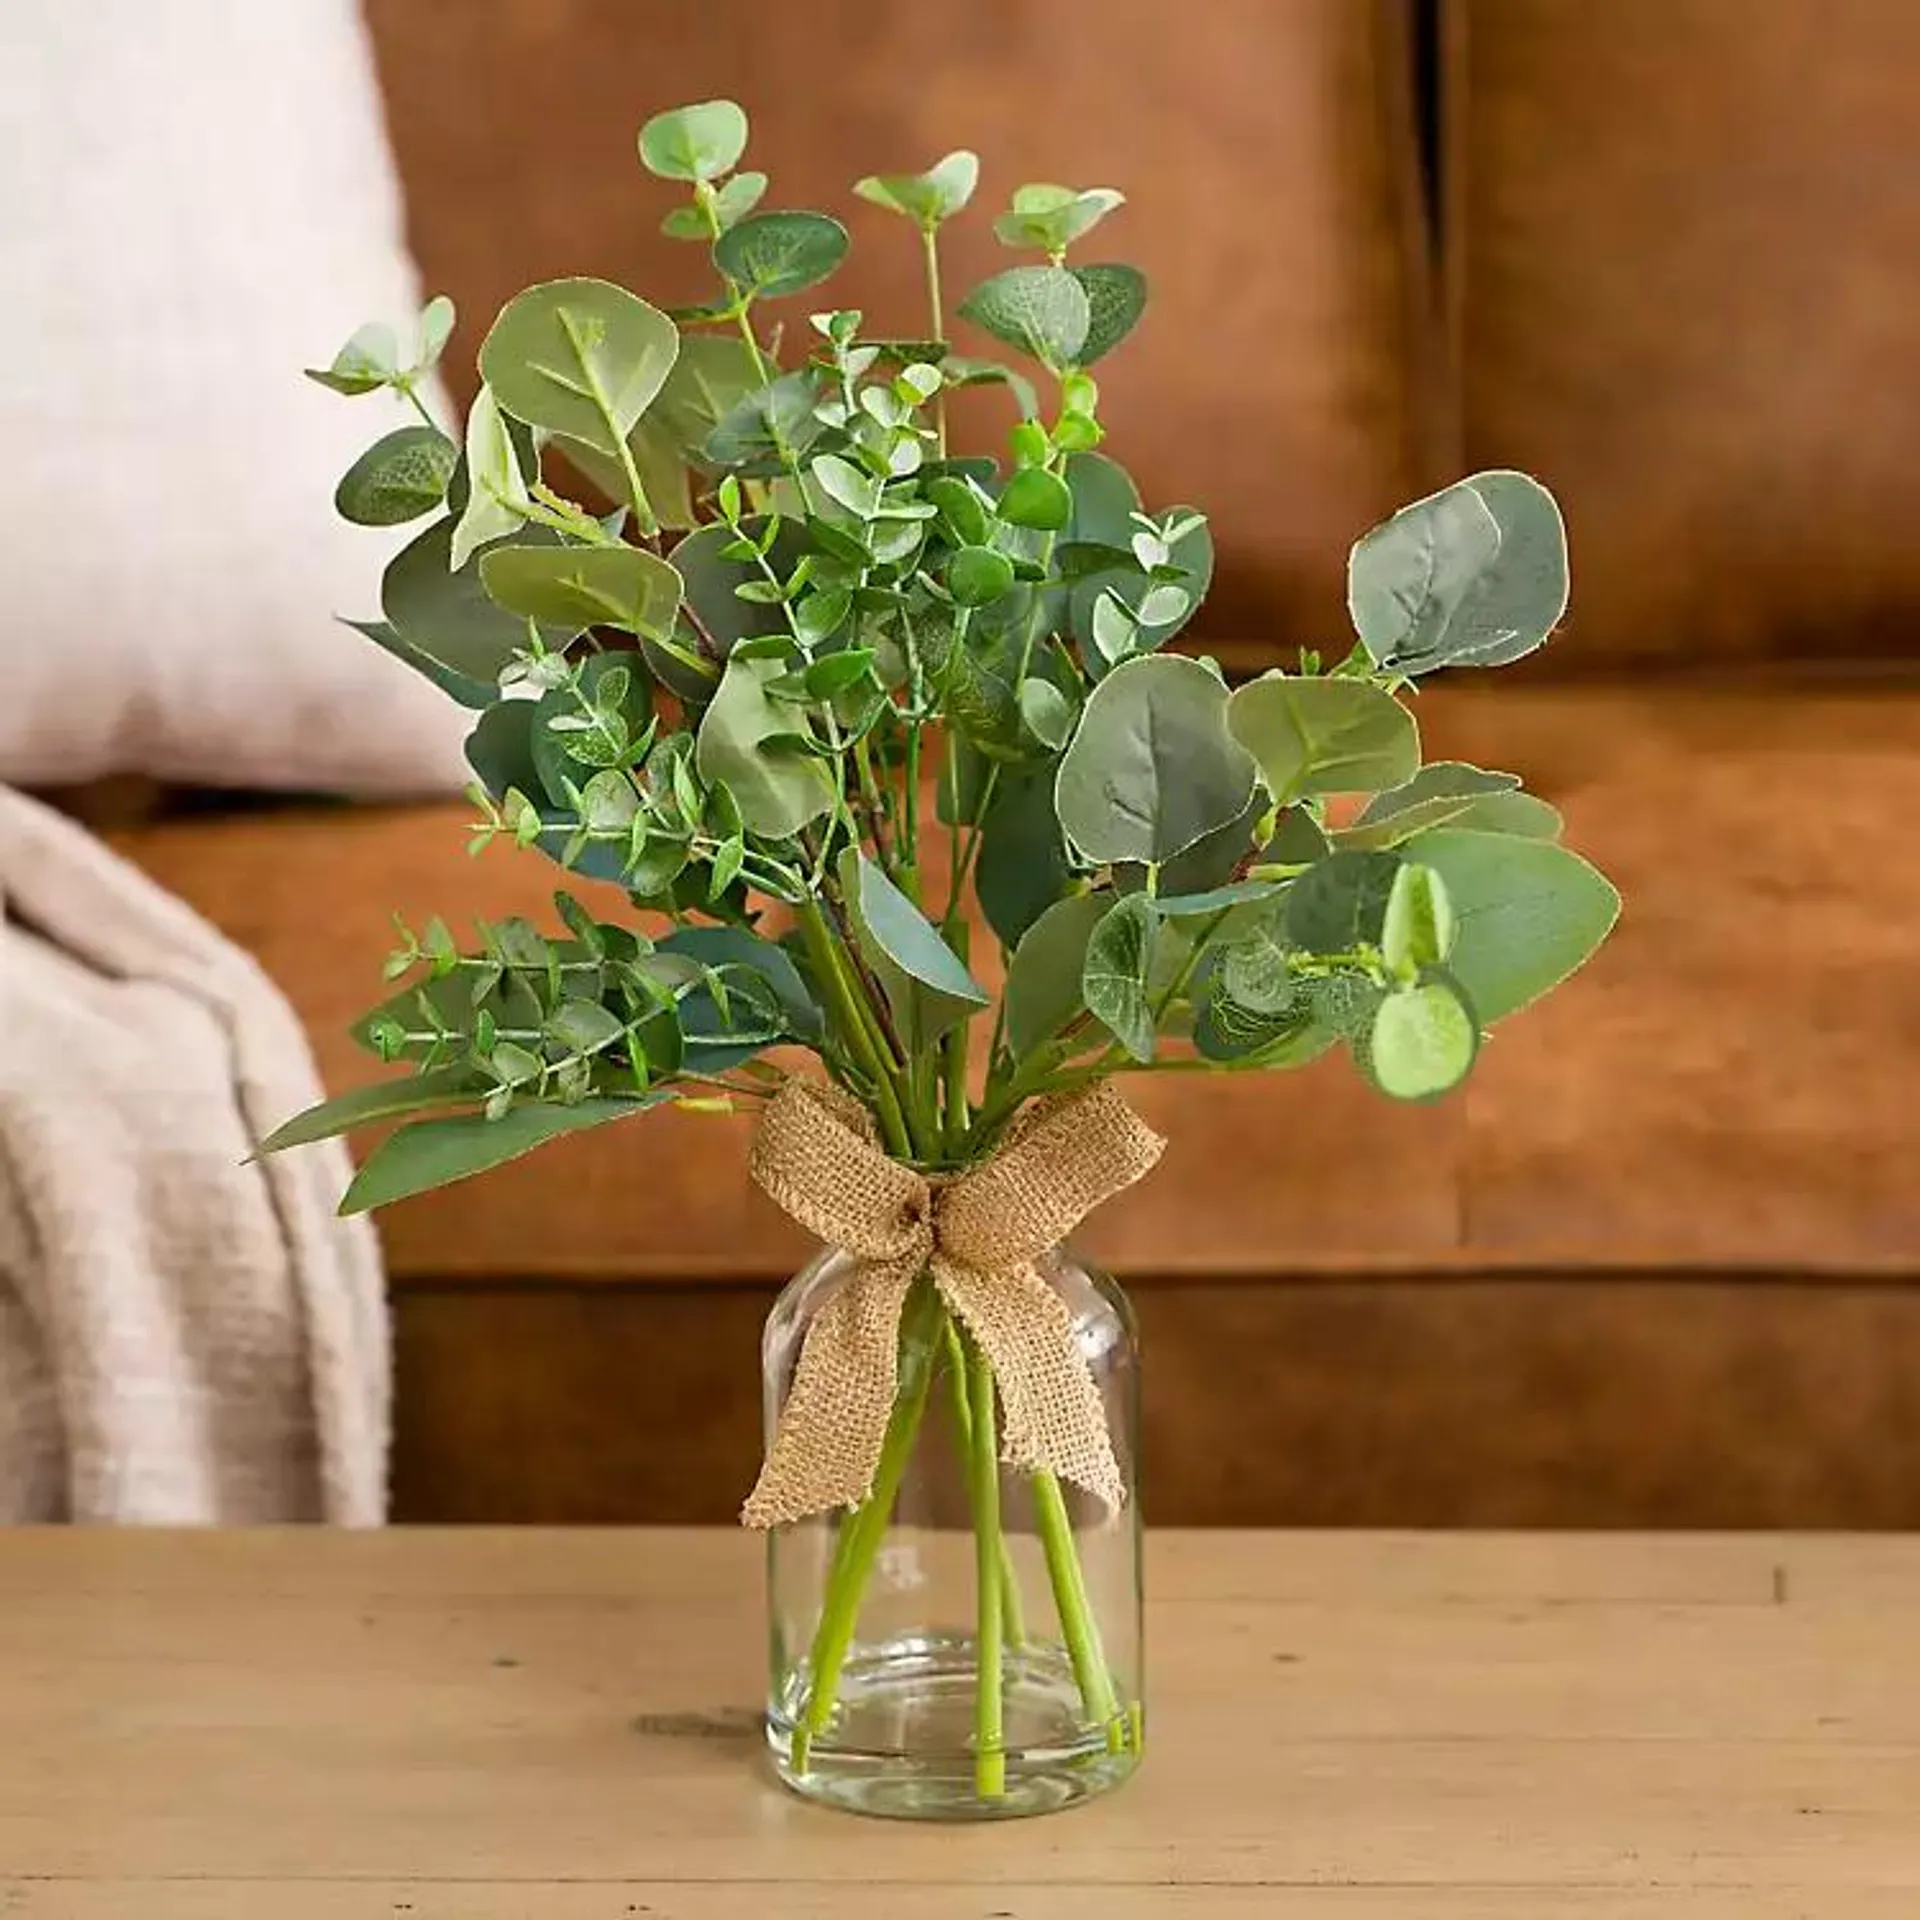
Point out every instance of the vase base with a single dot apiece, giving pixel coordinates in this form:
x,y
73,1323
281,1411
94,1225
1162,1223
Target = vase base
x,y
901,1742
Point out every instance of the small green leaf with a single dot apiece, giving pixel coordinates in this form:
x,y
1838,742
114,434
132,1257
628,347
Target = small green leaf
x,y
927,985
1152,768
1113,980
847,485
435,1153
1324,736
1422,1042
401,476
925,198
738,198
365,364
777,794
1036,498
961,508
1418,930
1051,218
736,948
436,329
1441,793
447,1087
1043,989
837,673
1116,298
1043,311
495,485
699,142
624,587
977,576
1048,713
769,255
582,358
584,1026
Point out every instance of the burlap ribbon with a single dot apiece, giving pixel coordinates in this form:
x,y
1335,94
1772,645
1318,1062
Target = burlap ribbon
x,y
978,1234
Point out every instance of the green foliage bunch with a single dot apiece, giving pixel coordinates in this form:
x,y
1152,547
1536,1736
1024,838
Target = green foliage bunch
x,y
812,642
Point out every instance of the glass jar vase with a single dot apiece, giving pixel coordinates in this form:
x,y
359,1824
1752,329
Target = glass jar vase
x,y
966,1643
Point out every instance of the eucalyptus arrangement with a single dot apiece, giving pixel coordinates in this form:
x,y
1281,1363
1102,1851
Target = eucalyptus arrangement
x,y
835,703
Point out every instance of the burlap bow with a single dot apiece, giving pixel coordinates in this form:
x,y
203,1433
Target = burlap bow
x,y
978,1234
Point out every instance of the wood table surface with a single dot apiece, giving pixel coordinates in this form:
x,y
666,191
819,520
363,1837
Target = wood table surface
x,y
563,1726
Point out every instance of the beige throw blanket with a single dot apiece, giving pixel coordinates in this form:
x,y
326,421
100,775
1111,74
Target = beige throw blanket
x,y
185,1338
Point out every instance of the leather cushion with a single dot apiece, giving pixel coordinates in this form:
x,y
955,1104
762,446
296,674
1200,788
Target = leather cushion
x,y
1684,246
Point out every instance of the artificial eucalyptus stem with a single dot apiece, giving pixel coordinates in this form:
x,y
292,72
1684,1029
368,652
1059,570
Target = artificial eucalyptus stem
x,y
989,1722
855,1030
937,320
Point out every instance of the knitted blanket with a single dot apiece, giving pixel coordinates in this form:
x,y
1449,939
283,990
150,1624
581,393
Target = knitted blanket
x,y
187,1336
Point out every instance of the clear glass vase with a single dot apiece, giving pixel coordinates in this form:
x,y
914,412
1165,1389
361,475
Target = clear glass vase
x,y
964,1645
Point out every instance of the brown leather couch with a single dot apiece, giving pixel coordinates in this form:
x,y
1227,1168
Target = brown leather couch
x,y
1658,1264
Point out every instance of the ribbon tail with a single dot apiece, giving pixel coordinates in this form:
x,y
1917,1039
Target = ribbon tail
x,y
1052,1417
826,1447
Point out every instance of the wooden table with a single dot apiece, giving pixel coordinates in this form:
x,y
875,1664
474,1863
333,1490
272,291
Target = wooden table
x,y
1345,1727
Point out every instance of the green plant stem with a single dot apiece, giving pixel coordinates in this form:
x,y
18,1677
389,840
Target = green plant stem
x,y
855,1027
862,1534
954,1057
1012,1611
936,314
740,313
1077,1624
419,406
989,1702
876,811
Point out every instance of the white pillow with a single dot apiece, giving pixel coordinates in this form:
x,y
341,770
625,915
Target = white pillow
x,y
199,201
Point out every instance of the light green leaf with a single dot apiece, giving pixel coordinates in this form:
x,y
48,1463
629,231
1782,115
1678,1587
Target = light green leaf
x,y
1043,990
1152,768
1324,736
1116,298
1043,311
977,576
365,364
927,986
1341,904
1113,979
401,476
624,587
1527,914
847,485
582,358
1051,218
1423,1041
1417,933
495,485
699,142
1475,575
1036,498
1048,713
777,793
436,329
1439,794
769,255
443,1089
1523,814
925,198
435,1153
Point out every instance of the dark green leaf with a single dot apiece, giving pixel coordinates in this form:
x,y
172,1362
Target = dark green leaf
x,y
447,1087
447,617
1341,904
1113,980
777,794
1043,990
773,254
435,1153
397,479
977,576
735,948
1116,298
1041,310
1023,866
460,687
927,985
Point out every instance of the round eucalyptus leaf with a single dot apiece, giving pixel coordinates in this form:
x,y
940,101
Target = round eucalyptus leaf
x,y
401,476
738,198
1048,713
1037,499
1441,793
1422,1042
772,254
368,362
624,587
976,576
777,793
1116,298
1043,311
925,198
1043,990
961,508
1152,768
1314,735
1526,914
1340,904
581,357
1475,575
1023,866
699,142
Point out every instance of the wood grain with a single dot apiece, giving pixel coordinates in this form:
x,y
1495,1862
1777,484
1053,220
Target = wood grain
x,y
468,1726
